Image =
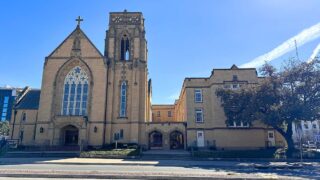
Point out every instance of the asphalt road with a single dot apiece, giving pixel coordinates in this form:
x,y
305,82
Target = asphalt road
x,y
174,169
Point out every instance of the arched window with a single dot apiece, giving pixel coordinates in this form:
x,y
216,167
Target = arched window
x,y
125,48
123,99
24,116
41,130
75,94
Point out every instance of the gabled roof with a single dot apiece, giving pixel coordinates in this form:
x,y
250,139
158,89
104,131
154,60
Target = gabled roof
x,y
72,34
234,67
30,100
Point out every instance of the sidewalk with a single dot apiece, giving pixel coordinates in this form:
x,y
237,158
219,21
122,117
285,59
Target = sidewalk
x,y
180,163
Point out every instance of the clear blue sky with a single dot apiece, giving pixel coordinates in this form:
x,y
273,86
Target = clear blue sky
x,y
186,38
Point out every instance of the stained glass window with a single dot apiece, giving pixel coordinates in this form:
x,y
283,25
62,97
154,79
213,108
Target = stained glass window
x,y
123,99
75,93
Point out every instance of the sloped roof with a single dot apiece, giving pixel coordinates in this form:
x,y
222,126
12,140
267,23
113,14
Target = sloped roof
x,y
30,100
77,29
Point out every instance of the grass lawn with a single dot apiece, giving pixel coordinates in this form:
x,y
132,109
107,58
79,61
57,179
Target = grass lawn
x,y
111,153
265,153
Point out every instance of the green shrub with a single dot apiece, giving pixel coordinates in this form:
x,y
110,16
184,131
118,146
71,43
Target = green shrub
x,y
111,153
265,153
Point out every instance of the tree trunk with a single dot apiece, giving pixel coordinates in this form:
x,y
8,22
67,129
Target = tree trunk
x,y
288,137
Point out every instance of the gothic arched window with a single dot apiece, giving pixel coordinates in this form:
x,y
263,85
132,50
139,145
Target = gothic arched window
x,y
125,48
75,93
123,99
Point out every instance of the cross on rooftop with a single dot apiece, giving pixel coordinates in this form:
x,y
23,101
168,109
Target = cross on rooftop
x,y
79,20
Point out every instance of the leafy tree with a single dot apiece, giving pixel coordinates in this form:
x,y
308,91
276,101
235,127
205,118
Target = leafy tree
x,y
4,128
282,98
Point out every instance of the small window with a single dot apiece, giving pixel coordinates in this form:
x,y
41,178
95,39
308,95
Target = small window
x,y
21,136
158,114
227,86
199,115
24,116
235,78
121,134
6,100
270,134
197,95
235,86
306,125
169,114
95,129
314,126
41,130
237,124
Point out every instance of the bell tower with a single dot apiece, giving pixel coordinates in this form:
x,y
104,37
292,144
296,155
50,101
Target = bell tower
x,y
128,99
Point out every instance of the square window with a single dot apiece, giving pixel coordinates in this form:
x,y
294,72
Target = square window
x,y
235,86
271,135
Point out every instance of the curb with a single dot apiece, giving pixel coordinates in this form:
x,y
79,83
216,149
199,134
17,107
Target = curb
x,y
110,176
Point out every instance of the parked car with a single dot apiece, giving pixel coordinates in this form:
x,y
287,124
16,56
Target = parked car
x,y
311,145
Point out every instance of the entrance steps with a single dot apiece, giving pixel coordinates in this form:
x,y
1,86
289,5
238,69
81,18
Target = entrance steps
x,y
166,155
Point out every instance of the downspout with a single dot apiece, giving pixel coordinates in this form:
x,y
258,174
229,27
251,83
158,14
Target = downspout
x,y
106,105
14,121
35,127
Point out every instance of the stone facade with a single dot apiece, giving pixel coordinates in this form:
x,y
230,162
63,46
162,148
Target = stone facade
x,y
112,101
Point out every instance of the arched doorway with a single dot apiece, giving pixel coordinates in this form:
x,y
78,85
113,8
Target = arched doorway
x,y
155,140
176,140
70,135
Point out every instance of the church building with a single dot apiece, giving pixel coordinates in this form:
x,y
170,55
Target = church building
x,y
90,98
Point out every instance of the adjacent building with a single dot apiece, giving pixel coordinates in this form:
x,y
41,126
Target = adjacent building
x,y
91,98
7,100
304,131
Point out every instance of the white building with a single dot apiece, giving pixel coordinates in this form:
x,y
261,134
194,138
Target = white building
x,y
307,130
